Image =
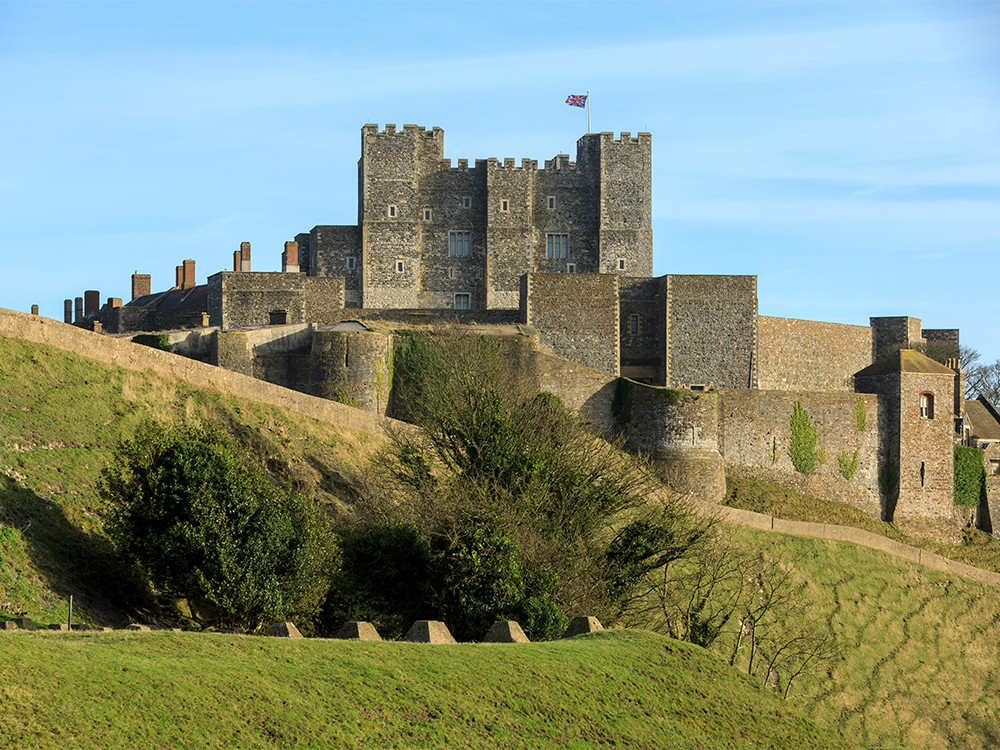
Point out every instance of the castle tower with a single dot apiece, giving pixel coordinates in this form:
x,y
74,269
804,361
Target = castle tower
x,y
916,420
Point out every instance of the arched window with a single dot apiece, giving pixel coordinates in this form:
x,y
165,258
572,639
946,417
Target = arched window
x,y
927,405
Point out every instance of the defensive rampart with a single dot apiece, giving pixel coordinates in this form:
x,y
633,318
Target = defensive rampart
x,y
809,355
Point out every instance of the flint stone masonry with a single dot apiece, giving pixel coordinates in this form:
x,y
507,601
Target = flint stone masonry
x,y
576,315
581,625
357,631
429,631
248,299
505,631
809,355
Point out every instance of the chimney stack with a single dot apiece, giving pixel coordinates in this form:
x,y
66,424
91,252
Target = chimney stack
x,y
244,256
78,309
237,261
114,302
34,309
68,311
187,275
178,276
290,258
91,302
140,285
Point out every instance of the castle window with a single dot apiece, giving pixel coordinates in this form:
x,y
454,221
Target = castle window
x,y
552,202
391,212
451,273
427,214
633,324
556,246
571,268
466,201
352,262
400,266
459,244
462,301
927,405
923,473
504,206
621,264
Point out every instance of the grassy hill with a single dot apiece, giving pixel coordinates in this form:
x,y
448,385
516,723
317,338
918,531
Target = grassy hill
x,y
612,689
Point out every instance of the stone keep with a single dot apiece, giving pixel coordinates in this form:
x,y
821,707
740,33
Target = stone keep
x,y
430,235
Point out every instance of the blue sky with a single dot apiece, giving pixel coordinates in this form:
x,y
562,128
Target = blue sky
x,y
847,153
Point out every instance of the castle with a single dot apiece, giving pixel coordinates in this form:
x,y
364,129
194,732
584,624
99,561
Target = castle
x,y
557,260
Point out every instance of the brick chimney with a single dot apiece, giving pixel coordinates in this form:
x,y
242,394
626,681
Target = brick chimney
x,y
68,311
290,258
187,275
34,309
140,285
78,309
244,256
114,302
178,276
91,302
237,261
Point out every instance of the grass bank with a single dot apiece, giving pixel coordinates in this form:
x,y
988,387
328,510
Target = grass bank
x,y
612,689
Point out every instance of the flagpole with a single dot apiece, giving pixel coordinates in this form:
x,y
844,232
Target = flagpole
x,y
588,111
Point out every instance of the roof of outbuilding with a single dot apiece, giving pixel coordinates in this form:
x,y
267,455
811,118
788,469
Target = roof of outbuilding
x,y
906,360
983,417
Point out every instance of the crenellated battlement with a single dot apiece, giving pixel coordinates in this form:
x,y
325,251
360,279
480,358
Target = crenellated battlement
x,y
644,139
371,129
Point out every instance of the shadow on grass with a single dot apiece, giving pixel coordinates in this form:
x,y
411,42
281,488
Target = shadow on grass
x,y
73,561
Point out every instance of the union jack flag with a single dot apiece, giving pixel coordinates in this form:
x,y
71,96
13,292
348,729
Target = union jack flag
x,y
577,100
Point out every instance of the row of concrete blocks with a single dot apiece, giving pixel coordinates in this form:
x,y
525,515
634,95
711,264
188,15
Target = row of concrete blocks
x,y
422,631
435,631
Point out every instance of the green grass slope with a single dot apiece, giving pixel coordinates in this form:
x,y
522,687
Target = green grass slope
x,y
60,415
919,663
613,689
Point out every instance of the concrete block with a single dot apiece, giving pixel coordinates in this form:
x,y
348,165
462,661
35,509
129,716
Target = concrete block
x,y
25,623
505,631
429,631
284,630
581,625
358,631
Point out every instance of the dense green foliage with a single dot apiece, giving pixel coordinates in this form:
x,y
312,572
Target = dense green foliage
x,y
860,418
209,529
159,341
802,447
970,476
527,515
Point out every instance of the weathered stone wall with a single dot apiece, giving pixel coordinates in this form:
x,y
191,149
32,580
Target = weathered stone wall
x,y
755,429
424,316
712,330
326,252
626,229
238,299
894,332
678,431
576,315
809,355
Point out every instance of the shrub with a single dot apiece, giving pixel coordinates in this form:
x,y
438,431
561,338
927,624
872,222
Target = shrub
x,y
159,341
970,476
848,464
802,447
203,527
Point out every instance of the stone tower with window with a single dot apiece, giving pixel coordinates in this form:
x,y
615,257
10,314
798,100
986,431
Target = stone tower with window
x,y
917,428
435,236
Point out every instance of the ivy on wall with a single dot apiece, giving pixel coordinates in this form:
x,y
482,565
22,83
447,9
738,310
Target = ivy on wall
x,y
159,341
860,420
970,476
848,464
803,447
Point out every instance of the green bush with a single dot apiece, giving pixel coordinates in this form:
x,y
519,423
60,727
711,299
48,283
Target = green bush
x,y
860,418
848,464
970,476
203,527
802,447
159,341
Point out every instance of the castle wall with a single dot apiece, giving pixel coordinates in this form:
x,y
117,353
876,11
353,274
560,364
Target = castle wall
x,y
238,299
711,332
353,367
642,329
510,238
809,355
755,434
894,332
325,252
576,315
